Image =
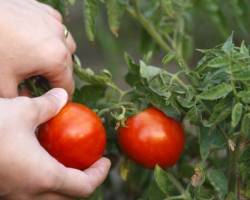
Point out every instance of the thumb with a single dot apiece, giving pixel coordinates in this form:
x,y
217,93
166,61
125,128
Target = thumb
x,y
49,104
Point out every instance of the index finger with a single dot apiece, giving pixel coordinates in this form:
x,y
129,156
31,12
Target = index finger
x,y
57,66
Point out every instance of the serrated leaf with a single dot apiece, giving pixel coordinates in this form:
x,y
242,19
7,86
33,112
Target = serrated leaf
x,y
133,75
162,180
90,13
86,96
148,72
228,45
159,85
88,76
236,114
132,66
243,49
245,96
115,11
219,181
245,125
218,62
193,115
209,139
216,92
220,112
241,72
186,100
168,58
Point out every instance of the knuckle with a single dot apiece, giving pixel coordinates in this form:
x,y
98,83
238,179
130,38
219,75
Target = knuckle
x,y
73,46
53,12
89,188
49,180
56,14
56,53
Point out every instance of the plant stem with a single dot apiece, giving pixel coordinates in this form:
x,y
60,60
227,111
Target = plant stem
x,y
176,183
233,167
175,197
149,28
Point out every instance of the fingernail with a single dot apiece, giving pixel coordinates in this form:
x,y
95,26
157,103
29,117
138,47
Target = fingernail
x,y
60,94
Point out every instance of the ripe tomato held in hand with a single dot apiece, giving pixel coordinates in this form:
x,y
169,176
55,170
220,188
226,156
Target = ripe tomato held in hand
x,y
150,137
75,136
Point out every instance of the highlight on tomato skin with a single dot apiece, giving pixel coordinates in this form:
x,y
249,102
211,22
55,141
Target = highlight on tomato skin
x,y
75,136
151,137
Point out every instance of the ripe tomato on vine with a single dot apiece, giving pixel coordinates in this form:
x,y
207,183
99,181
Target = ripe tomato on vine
x,y
75,137
150,138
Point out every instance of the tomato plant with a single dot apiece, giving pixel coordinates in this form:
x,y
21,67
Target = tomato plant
x,y
152,138
207,90
75,137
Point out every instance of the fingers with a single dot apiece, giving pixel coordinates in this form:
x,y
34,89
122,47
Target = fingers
x,y
56,65
70,43
51,11
53,196
64,77
76,183
8,87
48,105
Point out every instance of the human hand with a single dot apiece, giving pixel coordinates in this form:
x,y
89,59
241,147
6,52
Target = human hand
x,y
27,171
33,42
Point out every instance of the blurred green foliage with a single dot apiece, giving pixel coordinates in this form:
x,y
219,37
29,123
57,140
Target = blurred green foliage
x,y
207,89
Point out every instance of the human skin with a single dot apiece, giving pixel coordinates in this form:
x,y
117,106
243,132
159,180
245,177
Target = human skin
x,y
33,42
27,171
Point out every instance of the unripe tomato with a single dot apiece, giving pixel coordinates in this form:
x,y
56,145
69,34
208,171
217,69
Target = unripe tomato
x,y
75,137
150,137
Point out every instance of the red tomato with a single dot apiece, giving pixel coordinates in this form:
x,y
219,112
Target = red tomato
x,y
75,137
151,138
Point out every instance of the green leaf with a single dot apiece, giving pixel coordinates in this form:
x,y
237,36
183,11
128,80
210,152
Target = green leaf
x,y
193,115
133,75
89,95
168,58
228,46
241,72
88,76
236,114
245,96
216,92
90,13
115,11
167,7
245,156
245,125
162,180
148,72
153,192
219,181
219,113
218,62
243,49
210,139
